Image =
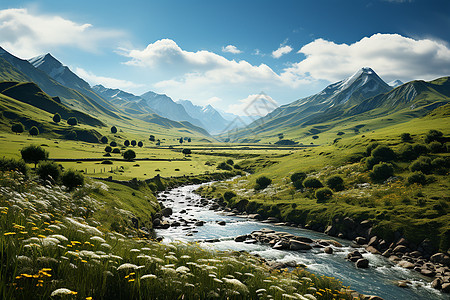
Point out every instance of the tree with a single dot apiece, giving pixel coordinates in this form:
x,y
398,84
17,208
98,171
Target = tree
x,y
113,129
312,183
152,138
113,144
72,135
72,121
381,171
49,170
335,183
140,144
129,155
133,143
108,149
33,154
298,176
34,131
186,152
433,135
280,136
189,140
406,137
56,118
104,140
323,194
71,179
17,128
181,140
126,143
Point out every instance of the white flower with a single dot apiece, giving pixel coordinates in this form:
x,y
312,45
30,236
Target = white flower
x,y
62,292
236,285
97,239
127,266
182,269
148,276
60,237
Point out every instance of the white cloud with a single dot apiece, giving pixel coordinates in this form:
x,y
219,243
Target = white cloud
x,y
254,105
213,100
105,81
27,34
231,49
281,51
392,56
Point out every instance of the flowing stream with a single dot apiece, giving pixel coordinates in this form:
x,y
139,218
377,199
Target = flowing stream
x,y
379,279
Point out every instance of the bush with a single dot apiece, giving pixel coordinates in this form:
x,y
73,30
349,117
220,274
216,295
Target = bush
x,y
370,147
113,129
129,155
422,164
381,171
57,118
186,151
433,135
116,150
383,153
71,179
417,177
228,195
133,143
335,183
224,166
237,167
407,153
323,194
106,162
312,183
371,161
126,143
440,165
72,121
7,164
49,170
140,144
33,154
113,144
298,176
435,147
406,137
262,182
297,184
420,149
230,162
17,128
108,149
34,131
104,140
71,135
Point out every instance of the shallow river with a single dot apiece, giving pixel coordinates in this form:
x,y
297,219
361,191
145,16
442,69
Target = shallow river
x,y
379,279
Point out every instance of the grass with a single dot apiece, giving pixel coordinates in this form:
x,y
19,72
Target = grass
x,y
54,245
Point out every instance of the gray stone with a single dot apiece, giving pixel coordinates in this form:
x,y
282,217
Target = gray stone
x,y
328,250
406,264
166,211
240,238
297,245
360,240
362,263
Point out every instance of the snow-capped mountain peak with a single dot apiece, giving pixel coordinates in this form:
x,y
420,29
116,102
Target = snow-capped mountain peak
x,y
395,83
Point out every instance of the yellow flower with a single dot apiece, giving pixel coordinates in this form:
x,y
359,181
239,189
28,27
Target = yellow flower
x,y
9,233
130,280
88,298
42,236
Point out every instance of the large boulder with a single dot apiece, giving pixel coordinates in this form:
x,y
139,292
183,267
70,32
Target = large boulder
x,y
406,264
362,263
281,245
440,258
297,245
166,211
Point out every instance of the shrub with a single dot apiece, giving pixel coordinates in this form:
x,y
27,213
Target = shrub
x,y
298,176
407,153
33,154
262,182
383,153
371,161
57,118
7,164
133,143
71,179
230,162
335,183
72,121
224,166
417,177
323,194
297,184
312,182
140,144
228,195
116,150
435,147
129,155
420,149
152,138
104,140
113,129
370,147
106,162
49,170
17,128
406,137
422,164
108,149
381,171
34,131
72,135
126,143
113,144
433,135
440,165
237,167
186,151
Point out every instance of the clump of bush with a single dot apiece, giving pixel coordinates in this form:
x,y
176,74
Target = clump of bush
x,y
116,150
106,162
108,149
406,137
33,154
336,183
312,183
435,147
381,171
323,194
262,182
8,164
228,195
230,162
417,177
440,165
237,167
129,155
49,171
224,166
297,179
72,179
433,135
370,147
380,153
422,164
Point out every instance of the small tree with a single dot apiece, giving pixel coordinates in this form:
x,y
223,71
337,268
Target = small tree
x,y
71,179
383,153
181,140
133,143
262,182
433,135
186,152
152,138
298,176
140,144
381,171
72,135
189,140
113,144
126,143
335,183
108,149
312,183
129,155
406,137
34,131
228,195
230,162
370,147
33,154
104,140
72,121
17,128
323,194
113,129
56,118
49,171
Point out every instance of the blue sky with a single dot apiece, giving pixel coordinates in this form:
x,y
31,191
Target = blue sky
x,y
226,52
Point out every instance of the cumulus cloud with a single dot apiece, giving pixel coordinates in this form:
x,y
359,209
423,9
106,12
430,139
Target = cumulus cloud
x,y
231,49
27,34
105,81
257,105
392,56
282,51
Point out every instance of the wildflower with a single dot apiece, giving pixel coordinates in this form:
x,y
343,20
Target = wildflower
x,y
9,233
97,239
148,276
62,292
127,266
182,269
237,285
88,298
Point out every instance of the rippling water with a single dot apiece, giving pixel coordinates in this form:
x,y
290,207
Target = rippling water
x,y
378,280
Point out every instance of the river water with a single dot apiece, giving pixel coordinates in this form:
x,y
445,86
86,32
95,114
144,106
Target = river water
x,y
379,279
